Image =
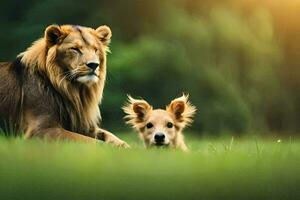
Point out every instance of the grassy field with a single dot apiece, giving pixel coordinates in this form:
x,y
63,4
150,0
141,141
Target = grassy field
x,y
215,169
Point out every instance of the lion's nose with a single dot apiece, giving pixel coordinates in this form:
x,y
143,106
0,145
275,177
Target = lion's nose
x,y
92,65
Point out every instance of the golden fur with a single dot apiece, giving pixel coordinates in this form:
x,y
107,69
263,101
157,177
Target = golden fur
x,y
60,80
37,59
155,123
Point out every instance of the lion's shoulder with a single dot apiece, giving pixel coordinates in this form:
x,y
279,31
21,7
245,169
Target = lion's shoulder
x,y
11,72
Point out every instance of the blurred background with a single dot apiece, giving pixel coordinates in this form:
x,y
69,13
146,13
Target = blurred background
x,y
238,60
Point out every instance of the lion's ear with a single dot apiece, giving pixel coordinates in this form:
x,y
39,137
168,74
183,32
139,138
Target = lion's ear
x,y
104,34
53,35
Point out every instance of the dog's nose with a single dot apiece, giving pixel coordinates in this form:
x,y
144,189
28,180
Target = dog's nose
x,y
92,65
159,137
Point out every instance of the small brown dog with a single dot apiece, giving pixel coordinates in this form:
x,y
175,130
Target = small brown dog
x,y
158,127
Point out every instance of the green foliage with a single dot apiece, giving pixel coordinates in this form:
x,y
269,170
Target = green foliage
x,y
221,61
226,55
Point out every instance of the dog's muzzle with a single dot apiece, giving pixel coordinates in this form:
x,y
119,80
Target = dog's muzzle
x,y
159,139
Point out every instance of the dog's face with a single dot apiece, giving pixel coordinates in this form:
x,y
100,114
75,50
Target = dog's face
x,y
159,127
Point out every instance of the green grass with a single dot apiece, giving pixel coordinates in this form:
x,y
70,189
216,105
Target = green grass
x,y
215,169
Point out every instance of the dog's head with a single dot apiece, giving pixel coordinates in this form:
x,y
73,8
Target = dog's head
x,y
159,127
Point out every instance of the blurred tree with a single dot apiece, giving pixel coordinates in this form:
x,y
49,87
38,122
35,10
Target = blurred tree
x,y
237,60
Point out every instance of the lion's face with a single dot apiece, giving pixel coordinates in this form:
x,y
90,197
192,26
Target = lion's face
x,y
80,52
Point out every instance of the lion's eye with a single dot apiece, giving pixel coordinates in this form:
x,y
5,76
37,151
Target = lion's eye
x,y
169,125
76,49
149,125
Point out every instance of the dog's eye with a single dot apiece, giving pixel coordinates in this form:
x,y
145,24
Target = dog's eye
x,y
76,49
149,125
169,125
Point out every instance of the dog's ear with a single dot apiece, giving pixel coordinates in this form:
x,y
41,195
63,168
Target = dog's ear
x,y
136,111
182,110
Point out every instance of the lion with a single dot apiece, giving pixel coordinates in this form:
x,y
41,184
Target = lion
x,y
54,88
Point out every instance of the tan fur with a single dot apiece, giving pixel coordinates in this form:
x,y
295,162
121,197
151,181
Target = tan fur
x,y
149,122
36,58
57,65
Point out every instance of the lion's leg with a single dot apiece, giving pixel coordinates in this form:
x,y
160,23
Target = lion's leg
x,y
59,134
110,138
45,127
